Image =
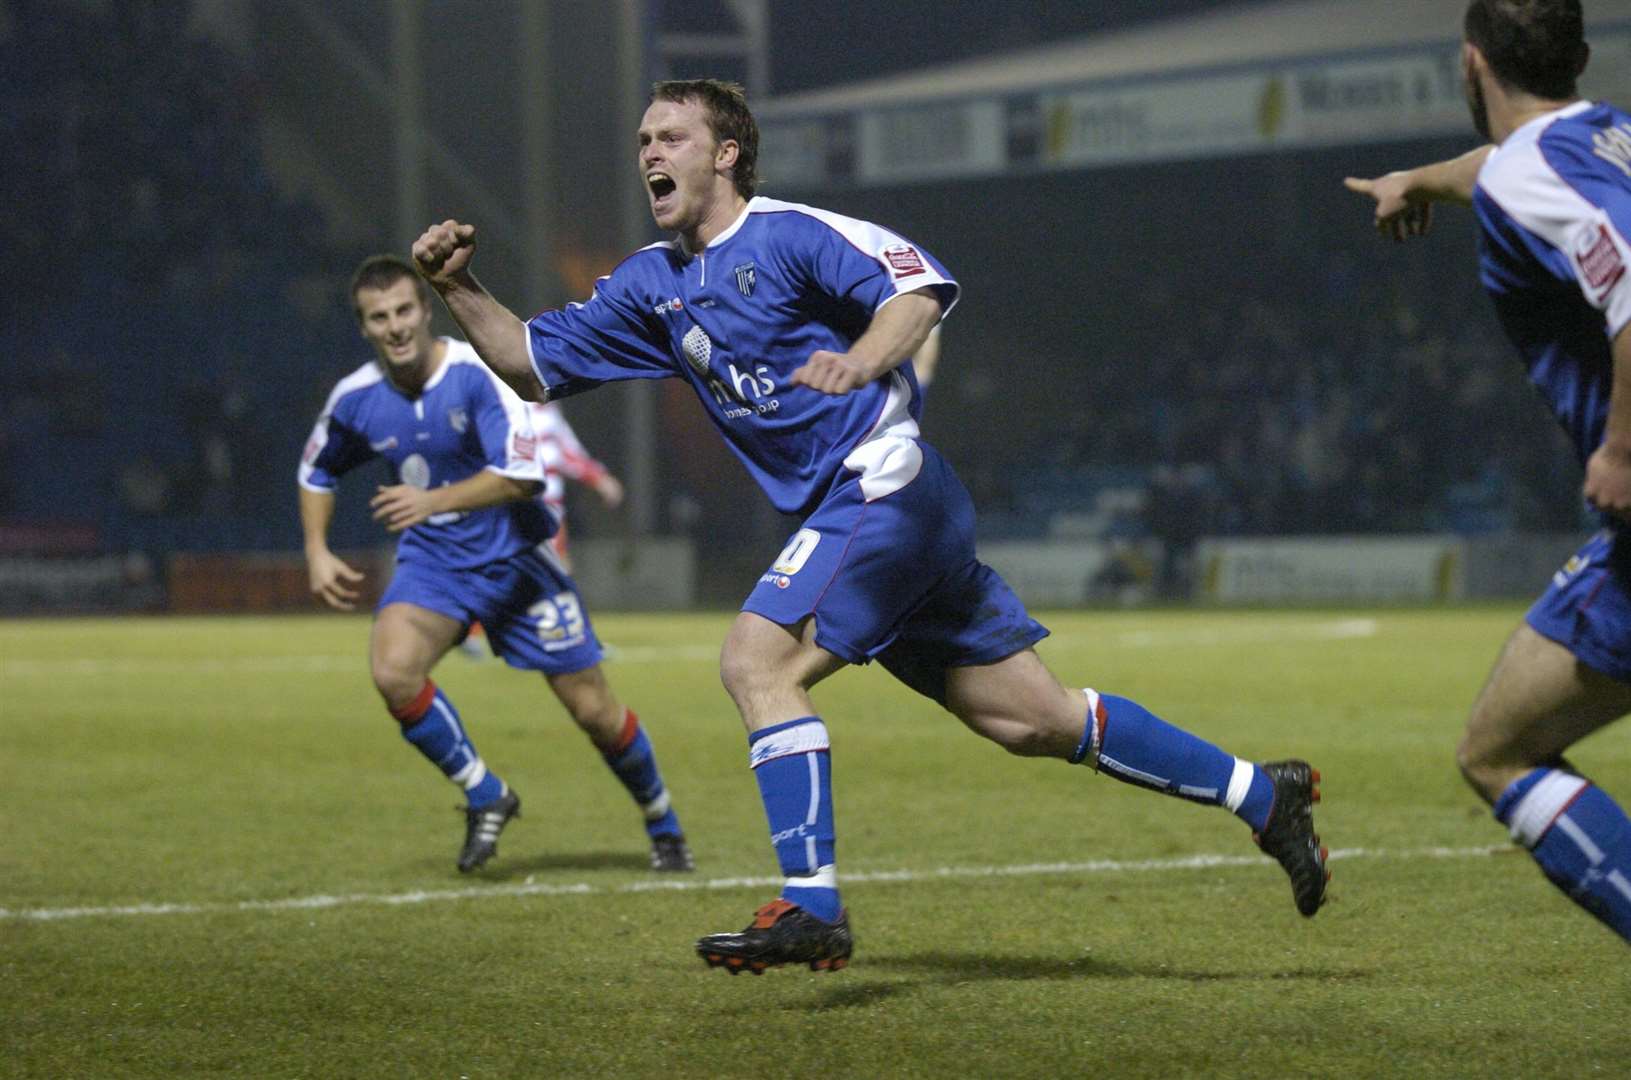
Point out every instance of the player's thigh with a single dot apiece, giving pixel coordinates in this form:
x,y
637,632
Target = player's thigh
x,y
1018,703
406,642
763,659
1538,701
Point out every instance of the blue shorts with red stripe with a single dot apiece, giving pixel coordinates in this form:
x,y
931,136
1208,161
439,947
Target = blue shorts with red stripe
x,y
1587,610
895,579
534,618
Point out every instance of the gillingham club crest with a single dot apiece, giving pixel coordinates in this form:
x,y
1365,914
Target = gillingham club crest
x,y
746,278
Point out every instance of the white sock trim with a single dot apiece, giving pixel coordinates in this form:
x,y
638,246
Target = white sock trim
x,y
825,877
1240,784
1537,810
798,739
1092,700
471,775
657,807
1093,731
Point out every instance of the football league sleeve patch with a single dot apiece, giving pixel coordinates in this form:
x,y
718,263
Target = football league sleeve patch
x,y
504,426
1599,254
910,268
332,450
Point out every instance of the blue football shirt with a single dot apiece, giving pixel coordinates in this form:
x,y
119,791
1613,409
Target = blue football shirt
x,y
737,319
1554,208
464,421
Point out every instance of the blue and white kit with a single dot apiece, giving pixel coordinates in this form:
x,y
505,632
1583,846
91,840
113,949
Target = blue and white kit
x,y
885,556
490,564
1554,209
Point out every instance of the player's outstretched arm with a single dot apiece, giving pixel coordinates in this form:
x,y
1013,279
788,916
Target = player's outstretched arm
x,y
1404,199
1608,470
331,580
442,254
927,359
610,490
897,330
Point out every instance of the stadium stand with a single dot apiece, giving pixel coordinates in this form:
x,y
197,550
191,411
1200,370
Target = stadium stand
x,y
1164,370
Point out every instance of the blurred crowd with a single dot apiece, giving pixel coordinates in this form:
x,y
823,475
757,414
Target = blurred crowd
x,y
172,320
1361,394
158,321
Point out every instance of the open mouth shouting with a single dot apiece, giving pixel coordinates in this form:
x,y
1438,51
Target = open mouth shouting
x,y
662,189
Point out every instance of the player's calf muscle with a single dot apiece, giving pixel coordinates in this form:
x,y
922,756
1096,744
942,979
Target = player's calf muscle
x,y
1018,704
1019,736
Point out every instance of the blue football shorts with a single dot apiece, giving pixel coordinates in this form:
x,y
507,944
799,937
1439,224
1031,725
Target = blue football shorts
x,y
896,580
1587,609
534,618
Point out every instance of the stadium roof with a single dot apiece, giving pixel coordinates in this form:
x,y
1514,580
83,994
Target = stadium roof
x,y
1283,30
1256,78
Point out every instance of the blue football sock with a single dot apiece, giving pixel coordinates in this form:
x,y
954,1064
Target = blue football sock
x,y
1135,746
792,763
1579,836
635,764
431,724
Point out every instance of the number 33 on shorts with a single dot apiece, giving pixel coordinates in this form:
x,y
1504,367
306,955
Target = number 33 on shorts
x,y
560,619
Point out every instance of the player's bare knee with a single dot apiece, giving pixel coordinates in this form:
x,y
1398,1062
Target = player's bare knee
x,y
397,681
744,675
590,702
1488,763
1473,764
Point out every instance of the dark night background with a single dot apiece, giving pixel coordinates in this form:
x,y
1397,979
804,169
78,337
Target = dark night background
x,y
1226,336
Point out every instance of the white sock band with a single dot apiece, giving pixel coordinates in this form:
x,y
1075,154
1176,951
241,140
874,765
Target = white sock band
x,y
657,807
1542,805
471,775
1240,783
825,877
798,739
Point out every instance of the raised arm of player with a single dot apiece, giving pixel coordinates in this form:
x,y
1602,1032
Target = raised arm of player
x,y
1608,470
1404,199
442,254
575,461
897,330
402,506
331,579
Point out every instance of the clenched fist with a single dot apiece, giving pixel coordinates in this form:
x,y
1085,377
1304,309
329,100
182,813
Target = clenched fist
x,y
833,373
444,251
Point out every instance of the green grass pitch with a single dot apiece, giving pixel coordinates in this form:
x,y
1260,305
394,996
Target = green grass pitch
x,y
219,859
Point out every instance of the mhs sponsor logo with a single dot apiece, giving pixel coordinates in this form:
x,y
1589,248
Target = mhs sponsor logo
x,y
745,393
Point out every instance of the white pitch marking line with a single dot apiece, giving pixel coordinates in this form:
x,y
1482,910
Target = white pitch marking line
x,y
1334,630
630,654
1337,630
530,888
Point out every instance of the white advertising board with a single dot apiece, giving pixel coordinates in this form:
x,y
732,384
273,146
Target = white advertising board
x,y
1307,569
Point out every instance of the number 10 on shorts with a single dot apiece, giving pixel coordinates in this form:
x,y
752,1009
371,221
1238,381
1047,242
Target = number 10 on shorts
x,y
797,552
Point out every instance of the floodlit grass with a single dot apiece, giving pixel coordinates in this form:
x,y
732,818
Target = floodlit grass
x,y
241,770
